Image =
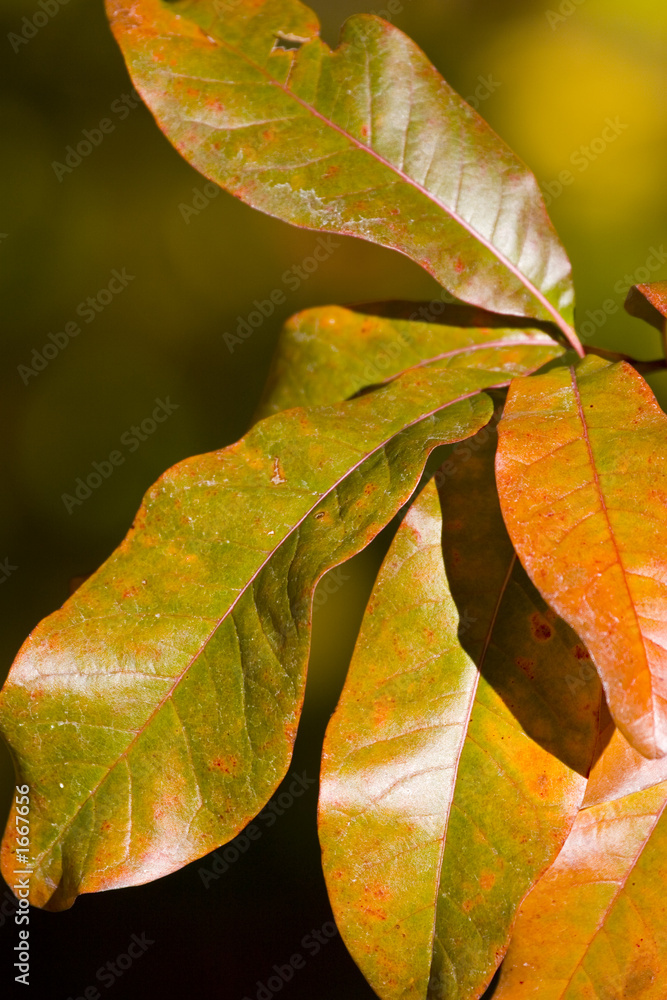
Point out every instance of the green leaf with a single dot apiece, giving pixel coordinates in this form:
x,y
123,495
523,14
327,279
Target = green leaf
x,y
582,476
439,805
155,713
595,925
367,140
328,354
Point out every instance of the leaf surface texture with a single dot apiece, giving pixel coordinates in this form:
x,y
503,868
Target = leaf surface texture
x,y
582,477
367,140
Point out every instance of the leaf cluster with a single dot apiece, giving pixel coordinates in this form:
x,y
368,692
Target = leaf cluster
x,y
494,778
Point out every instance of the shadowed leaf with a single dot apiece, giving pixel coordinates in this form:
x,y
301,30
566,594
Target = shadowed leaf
x,y
582,475
155,713
437,810
649,302
367,140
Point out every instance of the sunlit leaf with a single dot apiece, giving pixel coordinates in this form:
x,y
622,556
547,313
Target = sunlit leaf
x,y
367,140
595,926
582,475
154,715
438,810
328,354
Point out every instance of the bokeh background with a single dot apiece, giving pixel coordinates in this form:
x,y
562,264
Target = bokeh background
x,y
556,74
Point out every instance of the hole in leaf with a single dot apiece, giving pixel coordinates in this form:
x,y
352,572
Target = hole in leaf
x,y
288,42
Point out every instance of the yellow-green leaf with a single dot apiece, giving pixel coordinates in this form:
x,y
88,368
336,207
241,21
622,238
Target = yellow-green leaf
x,y
450,783
330,353
155,713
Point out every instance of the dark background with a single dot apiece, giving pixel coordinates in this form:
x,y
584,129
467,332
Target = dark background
x,y
555,84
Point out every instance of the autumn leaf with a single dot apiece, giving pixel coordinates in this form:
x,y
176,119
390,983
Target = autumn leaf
x,y
596,924
328,354
649,302
582,478
367,140
155,713
438,809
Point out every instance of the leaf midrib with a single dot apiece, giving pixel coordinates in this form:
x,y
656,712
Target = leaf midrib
x,y
612,903
63,830
465,734
498,254
470,349
605,511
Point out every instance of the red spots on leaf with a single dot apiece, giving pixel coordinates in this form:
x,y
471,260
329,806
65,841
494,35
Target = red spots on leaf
x,y
581,653
540,628
543,791
365,131
526,665
459,266
226,765
487,880
331,172
383,710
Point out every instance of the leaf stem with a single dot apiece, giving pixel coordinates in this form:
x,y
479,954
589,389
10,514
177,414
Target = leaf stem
x,y
569,334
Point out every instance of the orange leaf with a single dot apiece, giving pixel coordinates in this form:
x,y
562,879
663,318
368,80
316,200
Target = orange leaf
x,y
594,926
582,478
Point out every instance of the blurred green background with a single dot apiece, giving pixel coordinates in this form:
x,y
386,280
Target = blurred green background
x,y
556,73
